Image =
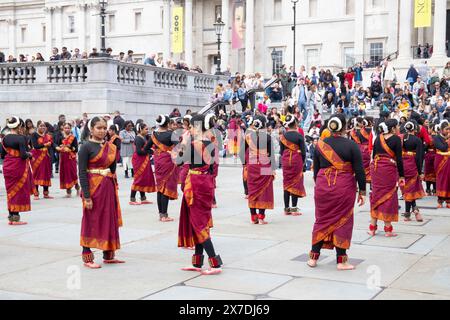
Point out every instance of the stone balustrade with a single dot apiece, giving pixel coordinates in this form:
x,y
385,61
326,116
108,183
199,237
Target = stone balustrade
x,y
99,86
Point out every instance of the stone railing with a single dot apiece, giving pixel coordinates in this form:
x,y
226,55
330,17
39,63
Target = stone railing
x,y
105,71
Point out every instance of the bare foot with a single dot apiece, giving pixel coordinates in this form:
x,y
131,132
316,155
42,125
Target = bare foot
x,y
166,219
134,203
48,197
36,197
371,233
92,265
262,222
312,263
214,206
193,269
419,217
345,266
17,223
390,235
212,271
113,261
146,202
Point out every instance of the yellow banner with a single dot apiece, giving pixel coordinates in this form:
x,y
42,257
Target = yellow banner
x,y
177,30
422,13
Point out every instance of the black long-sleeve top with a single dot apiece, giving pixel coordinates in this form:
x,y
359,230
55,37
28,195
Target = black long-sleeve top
x,y
143,147
196,160
117,142
395,144
348,151
361,137
411,143
297,139
88,151
73,146
165,137
34,141
16,142
440,143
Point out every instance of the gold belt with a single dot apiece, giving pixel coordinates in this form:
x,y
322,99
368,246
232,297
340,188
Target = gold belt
x,y
195,172
443,153
408,153
103,172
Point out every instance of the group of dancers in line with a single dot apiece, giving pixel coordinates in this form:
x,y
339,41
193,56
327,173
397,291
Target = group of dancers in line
x,y
347,156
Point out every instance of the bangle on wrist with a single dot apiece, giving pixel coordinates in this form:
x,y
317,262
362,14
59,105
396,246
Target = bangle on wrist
x,y
362,193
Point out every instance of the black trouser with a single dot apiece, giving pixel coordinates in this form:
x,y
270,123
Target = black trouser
x,y
163,203
287,197
318,246
207,246
244,104
261,211
410,205
431,184
45,189
133,195
245,187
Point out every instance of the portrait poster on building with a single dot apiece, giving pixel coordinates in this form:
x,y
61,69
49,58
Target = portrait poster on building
x,y
422,13
238,27
177,30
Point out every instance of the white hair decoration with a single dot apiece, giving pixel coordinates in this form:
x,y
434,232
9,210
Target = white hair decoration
x,y
187,117
15,124
290,121
383,126
258,124
250,121
437,128
117,127
163,120
208,121
337,122
409,126
138,127
365,122
89,124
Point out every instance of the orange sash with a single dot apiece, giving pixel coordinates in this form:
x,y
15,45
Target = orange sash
x,y
160,145
386,147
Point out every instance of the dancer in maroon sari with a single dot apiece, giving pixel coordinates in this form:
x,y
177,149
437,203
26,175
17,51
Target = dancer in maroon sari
x,y
143,180
337,168
195,215
362,135
293,154
41,163
113,134
16,171
412,164
442,164
386,168
261,171
101,208
184,170
214,136
166,170
68,175
430,154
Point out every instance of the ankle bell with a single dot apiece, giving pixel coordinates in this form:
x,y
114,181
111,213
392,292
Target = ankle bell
x,y
373,228
388,229
215,262
108,255
197,260
314,255
88,257
342,259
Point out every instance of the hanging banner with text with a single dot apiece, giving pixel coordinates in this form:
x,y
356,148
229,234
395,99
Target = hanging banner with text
x,y
422,13
177,30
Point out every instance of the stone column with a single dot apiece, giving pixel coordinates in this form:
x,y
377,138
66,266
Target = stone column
x,y
12,23
405,51
250,36
48,29
393,27
188,53
225,48
58,27
81,30
166,30
94,25
359,30
440,25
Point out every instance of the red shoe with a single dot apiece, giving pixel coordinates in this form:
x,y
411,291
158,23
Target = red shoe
x,y
146,202
17,223
113,261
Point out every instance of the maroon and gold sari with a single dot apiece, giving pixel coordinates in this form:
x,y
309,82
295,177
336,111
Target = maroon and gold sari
x,y
100,225
260,178
68,175
41,163
292,164
364,148
334,196
112,140
144,180
18,181
166,171
383,198
442,168
413,189
429,173
195,214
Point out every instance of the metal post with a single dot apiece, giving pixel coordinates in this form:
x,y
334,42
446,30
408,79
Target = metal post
x,y
294,28
219,56
103,29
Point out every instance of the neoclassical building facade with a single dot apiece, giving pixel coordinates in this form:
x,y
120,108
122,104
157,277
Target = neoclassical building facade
x,y
258,34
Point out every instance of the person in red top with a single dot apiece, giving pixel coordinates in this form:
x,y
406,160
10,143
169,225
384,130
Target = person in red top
x,y
349,77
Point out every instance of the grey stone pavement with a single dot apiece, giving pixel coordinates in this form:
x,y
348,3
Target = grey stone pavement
x,y
42,259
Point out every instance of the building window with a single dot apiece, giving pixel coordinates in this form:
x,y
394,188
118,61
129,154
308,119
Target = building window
x,y
218,12
313,8
376,53
23,34
277,60
137,20
44,33
349,57
71,22
312,58
111,23
277,10
350,7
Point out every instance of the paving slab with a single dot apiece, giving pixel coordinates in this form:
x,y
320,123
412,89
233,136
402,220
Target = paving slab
x,y
402,241
241,281
317,289
397,294
9,295
193,293
442,249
